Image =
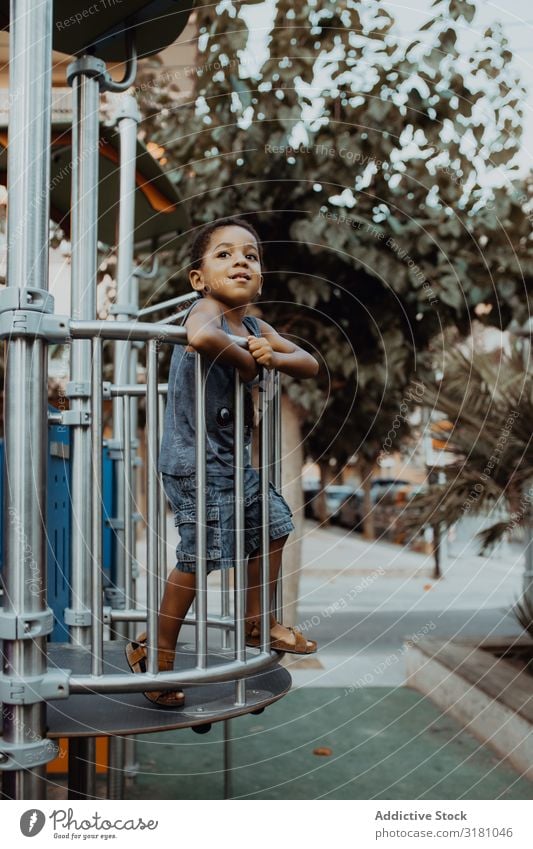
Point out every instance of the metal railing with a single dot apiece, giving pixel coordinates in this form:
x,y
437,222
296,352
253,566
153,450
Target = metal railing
x,y
153,335
28,324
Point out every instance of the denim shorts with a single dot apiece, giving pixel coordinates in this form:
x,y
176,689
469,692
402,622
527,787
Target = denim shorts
x,y
220,518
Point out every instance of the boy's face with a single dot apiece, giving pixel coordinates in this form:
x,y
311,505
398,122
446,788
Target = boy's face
x,y
230,267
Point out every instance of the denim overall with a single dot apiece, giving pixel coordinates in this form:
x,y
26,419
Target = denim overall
x,y
178,469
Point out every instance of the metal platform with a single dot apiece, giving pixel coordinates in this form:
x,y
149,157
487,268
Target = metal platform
x,y
97,714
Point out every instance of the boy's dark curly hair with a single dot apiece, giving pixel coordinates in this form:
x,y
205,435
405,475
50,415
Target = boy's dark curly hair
x,y
201,241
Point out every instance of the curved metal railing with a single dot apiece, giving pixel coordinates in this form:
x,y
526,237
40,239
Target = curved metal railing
x,y
98,682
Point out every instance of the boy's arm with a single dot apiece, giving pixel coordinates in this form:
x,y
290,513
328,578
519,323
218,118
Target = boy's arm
x,y
206,336
274,351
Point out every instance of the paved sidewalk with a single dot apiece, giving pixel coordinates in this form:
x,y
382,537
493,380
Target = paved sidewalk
x,y
379,739
361,600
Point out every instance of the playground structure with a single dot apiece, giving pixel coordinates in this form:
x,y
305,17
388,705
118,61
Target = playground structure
x,y
52,688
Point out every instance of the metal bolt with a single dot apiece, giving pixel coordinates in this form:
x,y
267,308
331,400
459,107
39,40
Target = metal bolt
x,y
200,709
27,627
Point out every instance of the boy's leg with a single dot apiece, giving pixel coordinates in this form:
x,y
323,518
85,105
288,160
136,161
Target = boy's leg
x,y
253,599
178,596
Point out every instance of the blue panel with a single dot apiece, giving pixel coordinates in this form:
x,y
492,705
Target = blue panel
x,y
59,522
58,526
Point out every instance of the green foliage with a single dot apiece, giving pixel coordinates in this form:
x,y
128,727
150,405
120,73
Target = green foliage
x,y
488,400
363,160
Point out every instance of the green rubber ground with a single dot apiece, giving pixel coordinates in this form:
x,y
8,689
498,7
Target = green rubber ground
x,y
385,744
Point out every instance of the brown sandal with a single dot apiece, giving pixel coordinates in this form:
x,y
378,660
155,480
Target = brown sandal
x,y
300,646
136,654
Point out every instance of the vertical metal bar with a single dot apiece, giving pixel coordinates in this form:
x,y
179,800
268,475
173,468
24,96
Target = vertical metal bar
x,y
277,479
265,393
115,771
81,768
128,502
134,356
84,216
25,404
152,545
224,608
97,632
240,563
127,120
201,516
131,766
162,513
228,788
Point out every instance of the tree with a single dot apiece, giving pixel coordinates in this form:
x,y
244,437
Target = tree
x,y
362,160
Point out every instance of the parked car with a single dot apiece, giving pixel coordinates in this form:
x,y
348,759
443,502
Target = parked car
x,y
336,494
386,497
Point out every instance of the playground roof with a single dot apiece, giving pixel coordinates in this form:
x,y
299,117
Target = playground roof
x,y
76,29
159,209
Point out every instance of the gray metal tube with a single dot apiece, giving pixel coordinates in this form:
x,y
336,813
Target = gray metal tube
x,y
265,393
240,562
162,511
97,632
81,768
225,610
115,772
277,478
128,502
172,302
84,216
137,332
131,766
201,516
228,760
139,615
123,683
127,120
134,392
25,403
152,548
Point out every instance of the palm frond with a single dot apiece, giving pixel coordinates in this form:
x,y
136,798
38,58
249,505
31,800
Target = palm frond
x,y
488,399
523,612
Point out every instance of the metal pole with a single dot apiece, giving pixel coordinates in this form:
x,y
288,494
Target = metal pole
x,y
97,631
84,216
228,789
265,393
152,546
277,479
25,405
131,764
201,516
127,118
162,512
115,771
128,503
225,611
81,768
240,562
